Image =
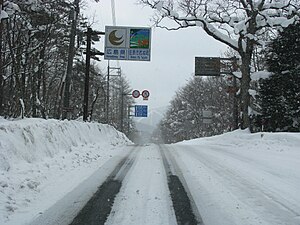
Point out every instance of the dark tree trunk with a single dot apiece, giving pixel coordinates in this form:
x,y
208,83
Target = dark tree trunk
x,y
33,90
245,85
68,78
1,69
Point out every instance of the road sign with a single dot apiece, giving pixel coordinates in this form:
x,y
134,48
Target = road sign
x,y
207,116
141,111
136,93
127,43
145,94
207,66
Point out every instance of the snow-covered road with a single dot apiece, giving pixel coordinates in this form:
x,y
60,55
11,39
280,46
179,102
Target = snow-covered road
x,y
228,187
231,187
50,169
144,196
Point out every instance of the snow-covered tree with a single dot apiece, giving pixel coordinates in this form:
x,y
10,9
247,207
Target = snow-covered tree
x,y
184,118
280,94
34,52
240,24
7,8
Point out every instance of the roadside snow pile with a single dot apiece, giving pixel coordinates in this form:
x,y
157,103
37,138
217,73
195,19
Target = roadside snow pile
x,y
244,178
42,160
244,140
31,140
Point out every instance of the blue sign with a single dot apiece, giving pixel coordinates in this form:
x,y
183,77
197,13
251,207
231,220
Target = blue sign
x,y
141,111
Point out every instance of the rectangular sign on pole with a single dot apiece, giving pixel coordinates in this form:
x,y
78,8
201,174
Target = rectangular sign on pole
x,y
207,66
127,43
141,111
207,116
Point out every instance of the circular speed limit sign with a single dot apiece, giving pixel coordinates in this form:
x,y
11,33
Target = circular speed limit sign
x,y
145,94
136,93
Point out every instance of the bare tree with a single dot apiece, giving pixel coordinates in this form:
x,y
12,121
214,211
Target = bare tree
x,y
240,24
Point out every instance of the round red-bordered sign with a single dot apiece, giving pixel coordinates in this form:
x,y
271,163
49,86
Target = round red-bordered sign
x,y
145,94
136,93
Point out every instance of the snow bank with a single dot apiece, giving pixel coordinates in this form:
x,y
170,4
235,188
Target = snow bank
x,y
243,178
31,140
43,160
243,139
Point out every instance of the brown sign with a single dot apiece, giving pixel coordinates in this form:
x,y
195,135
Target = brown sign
x,y
207,66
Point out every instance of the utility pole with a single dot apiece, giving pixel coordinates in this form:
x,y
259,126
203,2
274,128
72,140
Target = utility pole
x,y
89,54
107,94
109,69
87,74
122,109
66,98
128,121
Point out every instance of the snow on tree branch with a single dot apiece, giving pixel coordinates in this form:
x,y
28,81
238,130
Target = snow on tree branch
x,y
9,8
232,22
240,24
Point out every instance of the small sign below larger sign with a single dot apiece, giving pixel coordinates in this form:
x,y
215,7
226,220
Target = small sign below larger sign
x,y
141,111
207,66
207,116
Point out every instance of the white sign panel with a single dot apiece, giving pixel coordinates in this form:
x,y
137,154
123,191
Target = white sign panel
x,y
207,116
207,113
127,43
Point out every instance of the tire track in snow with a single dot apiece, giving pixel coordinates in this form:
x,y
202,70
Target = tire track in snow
x,y
98,208
263,199
184,206
144,198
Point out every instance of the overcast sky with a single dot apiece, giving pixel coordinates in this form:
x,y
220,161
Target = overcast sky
x,y
172,52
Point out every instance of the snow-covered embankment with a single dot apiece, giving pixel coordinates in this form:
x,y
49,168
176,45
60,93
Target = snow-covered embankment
x,y
42,160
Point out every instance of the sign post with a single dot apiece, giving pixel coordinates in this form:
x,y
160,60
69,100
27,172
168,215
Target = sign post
x,y
212,66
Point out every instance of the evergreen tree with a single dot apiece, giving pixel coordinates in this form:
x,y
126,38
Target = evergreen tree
x,y
280,94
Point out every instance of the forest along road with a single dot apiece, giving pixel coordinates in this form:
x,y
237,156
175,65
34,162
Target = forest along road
x,y
189,185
